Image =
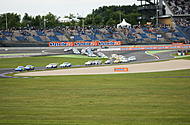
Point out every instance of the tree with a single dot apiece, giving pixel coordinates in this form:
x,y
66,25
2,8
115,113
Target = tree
x,y
13,20
26,20
51,20
38,21
112,15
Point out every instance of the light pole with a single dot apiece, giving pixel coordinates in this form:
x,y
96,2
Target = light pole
x,y
81,19
44,23
6,22
83,24
157,15
120,16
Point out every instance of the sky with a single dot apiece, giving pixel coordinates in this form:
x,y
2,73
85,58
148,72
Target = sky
x,y
58,7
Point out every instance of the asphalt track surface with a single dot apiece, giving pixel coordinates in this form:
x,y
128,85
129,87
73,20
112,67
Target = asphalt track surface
x,y
140,55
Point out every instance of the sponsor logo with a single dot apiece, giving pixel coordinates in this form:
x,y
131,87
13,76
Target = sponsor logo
x,y
84,43
60,44
121,70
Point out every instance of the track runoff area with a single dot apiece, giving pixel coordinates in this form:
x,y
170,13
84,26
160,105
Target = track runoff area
x,y
160,98
134,50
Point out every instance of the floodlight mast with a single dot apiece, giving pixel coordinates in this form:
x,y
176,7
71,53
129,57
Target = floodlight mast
x,y
154,6
6,24
159,10
157,15
44,23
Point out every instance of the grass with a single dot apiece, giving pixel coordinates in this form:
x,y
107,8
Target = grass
x,y
182,56
185,56
41,61
124,99
158,51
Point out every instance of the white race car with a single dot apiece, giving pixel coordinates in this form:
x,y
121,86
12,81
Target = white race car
x,y
124,60
97,62
132,58
91,55
89,63
108,62
52,65
65,64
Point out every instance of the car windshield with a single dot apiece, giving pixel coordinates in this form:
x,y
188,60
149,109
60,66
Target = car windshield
x,y
53,64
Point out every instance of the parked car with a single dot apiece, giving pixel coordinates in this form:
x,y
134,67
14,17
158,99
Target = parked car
x,y
29,67
65,64
51,65
20,68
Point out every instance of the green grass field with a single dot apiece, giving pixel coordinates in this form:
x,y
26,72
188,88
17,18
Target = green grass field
x,y
125,99
158,51
134,99
43,61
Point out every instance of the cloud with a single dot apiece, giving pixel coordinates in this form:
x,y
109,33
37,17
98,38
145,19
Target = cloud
x,y
58,7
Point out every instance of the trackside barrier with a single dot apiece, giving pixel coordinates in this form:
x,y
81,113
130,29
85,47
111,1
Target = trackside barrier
x,y
84,43
121,69
177,46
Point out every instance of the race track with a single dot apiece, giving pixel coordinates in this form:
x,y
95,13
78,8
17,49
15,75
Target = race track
x,y
133,68
140,55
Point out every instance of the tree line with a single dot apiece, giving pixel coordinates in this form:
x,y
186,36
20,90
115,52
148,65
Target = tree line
x,y
103,16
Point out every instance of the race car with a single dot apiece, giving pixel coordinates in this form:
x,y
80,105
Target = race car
x,y
29,67
97,62
65,64
124,60
108,62
51,65
116,61
20,68
89,63
132,58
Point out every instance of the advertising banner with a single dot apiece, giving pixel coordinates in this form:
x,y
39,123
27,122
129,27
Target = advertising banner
x,y
60,44
84,43
183,46
109,43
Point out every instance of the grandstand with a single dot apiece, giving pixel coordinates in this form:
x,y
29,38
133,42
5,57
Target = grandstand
x,y
168,29
135,35
180,14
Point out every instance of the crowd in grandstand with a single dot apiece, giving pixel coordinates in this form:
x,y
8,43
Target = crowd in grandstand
x,y
138,33
179,6
182,22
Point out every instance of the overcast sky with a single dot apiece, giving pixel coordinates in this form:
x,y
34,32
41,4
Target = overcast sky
x,y
57,7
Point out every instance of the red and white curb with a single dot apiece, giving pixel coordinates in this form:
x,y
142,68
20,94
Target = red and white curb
x,y
154,55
